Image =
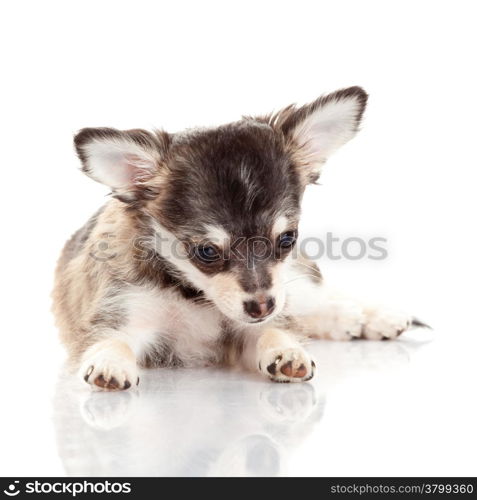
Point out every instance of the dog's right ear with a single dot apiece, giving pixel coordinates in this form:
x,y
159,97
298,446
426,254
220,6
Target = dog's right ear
x,y
123,160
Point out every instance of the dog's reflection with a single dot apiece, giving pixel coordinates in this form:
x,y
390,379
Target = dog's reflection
x,y
205,422
183,423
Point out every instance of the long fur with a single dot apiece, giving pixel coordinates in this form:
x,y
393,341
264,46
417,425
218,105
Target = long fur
x,y
133,287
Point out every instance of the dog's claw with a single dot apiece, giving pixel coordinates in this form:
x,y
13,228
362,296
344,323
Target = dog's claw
x,y
418,323
88,373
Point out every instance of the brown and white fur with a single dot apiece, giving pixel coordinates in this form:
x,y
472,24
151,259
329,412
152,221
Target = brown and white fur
x,y
169,272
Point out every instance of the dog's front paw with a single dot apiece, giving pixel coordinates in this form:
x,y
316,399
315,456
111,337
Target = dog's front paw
x,y
109,370
383,323
287,365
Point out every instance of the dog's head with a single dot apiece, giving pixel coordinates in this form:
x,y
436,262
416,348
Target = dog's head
x,y
224,203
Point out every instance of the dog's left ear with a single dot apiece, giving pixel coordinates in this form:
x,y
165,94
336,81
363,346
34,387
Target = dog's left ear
x,y
314,131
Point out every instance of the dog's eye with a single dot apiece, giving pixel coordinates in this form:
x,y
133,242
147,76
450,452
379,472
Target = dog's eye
x,y
287,240
206,254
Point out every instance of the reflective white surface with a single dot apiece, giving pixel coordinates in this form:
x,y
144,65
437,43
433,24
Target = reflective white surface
x,y
185,423
374,408
211,422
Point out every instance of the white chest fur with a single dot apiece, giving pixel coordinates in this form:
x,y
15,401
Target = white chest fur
x,y
163,318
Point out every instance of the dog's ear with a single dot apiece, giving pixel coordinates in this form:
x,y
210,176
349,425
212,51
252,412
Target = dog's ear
x,y
314,131
123,160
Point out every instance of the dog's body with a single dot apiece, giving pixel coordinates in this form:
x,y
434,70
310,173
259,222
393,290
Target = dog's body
x,y
194,261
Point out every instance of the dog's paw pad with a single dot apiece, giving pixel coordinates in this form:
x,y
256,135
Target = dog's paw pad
x,y
292,371
109,373
288,365
111,384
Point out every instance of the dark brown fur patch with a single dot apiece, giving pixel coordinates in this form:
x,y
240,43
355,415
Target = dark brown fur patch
x,y
231,344
161,354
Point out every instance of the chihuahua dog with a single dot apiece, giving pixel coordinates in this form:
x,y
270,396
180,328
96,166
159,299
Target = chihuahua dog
x,y
194,261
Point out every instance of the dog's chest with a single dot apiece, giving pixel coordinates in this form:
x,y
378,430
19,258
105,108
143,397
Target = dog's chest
x,y
170,328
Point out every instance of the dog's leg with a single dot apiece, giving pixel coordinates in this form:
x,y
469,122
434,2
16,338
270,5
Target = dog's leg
x,y
279,356
109,364
317,310
340,318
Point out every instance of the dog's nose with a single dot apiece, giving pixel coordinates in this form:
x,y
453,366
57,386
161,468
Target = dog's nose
x,y
259,308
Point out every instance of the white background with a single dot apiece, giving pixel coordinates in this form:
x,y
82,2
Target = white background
x,y
409,176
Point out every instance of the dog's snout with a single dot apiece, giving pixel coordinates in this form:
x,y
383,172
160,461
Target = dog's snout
x,y
259,308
